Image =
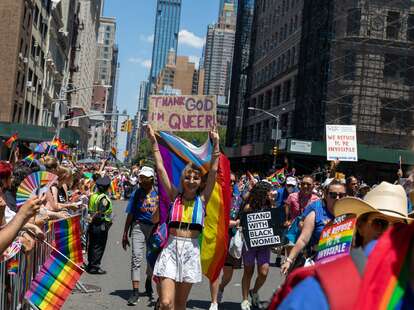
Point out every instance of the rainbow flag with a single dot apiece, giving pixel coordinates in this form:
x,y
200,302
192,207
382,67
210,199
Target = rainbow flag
x,y
113,152
53,283
68,238
114,186
13,266
57,144
63,148
387,273
176,154
29,159
11,140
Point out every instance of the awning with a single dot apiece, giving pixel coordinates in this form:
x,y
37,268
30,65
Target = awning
x,y
33,133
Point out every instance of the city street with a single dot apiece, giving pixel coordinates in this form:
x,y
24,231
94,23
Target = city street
x,y
116,283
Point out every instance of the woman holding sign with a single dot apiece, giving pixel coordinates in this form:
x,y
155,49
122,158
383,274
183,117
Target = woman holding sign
x,y
179,266
261,198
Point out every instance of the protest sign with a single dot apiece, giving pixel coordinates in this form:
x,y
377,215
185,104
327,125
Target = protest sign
x,y
341,142
336,238
182,113
262,228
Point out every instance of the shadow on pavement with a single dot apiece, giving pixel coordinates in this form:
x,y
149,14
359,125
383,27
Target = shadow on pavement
x,y
124,294
203,304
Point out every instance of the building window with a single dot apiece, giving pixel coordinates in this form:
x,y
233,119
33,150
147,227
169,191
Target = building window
x,y
268,100
287,87
260,102
410,28
353,22
394,114
394,66
296,22
276,95
349,65
393,25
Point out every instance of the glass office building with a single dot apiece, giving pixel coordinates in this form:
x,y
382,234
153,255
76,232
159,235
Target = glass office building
x,y
167,26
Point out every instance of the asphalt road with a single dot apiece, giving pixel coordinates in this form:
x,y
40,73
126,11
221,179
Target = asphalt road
x,y
115,285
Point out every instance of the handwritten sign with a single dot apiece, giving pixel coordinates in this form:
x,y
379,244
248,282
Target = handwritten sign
x,y
341,143
263,228
182,113
336,238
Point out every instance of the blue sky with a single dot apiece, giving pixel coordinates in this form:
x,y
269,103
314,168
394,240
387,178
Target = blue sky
x,y
135,29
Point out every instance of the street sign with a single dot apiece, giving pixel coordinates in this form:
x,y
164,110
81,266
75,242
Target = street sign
x,y
301,146
341,143
182,113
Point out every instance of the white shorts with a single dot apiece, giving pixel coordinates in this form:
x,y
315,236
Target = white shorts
x,y
180,260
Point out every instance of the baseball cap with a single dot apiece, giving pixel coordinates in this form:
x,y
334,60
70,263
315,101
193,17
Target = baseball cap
x,y
291,181
146,172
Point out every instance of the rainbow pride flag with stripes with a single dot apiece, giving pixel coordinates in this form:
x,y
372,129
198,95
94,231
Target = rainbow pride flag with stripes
x,y
12,266
53,283
176,154
387,273
68,238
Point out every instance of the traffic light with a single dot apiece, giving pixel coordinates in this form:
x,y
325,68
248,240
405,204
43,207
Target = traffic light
x,y
275,151
129,126
124,126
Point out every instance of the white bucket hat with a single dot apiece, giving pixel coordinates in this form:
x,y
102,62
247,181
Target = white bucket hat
x,y
146,172
386,198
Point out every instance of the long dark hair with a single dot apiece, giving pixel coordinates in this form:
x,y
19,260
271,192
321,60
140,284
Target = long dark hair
x,y
258,198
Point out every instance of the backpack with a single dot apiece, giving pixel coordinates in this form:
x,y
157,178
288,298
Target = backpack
x,y
346,270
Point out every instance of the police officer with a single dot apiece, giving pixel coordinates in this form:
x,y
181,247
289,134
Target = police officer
x,y
100,211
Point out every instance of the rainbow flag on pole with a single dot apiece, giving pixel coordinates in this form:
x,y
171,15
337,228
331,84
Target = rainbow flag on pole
x,y
176,154
53,283
68,238
29,159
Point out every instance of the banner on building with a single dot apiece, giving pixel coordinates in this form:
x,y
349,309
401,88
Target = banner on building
x,y
263,228
182,113
341,143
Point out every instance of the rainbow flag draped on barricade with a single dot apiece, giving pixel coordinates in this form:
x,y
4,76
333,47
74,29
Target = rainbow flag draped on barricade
x,y
59,274
176,154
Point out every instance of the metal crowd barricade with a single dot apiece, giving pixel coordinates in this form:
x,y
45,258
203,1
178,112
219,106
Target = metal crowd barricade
x,y
14,287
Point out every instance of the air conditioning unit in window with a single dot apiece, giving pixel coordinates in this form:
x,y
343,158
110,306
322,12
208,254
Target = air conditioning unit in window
x,y
37,58
33,89
25,60
29,84
21,56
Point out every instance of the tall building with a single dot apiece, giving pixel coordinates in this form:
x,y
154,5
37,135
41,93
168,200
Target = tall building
x,y
224,2
106,69
83,65
16,30
239,74
167,26
218,57
273,70
179,73
358,68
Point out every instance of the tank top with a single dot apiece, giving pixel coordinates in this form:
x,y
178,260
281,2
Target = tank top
x,y
188,212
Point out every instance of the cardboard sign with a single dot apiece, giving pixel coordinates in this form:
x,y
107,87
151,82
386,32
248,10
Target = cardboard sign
x,y
263,228
341,143
182,113
336,238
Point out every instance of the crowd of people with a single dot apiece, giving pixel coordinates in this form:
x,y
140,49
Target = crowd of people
x,y
305,206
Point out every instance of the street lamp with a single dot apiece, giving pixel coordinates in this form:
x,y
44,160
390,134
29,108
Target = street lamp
x,y
277,118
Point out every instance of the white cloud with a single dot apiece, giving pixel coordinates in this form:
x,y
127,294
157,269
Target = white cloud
x,y
195,59
146,63
148,39
188,38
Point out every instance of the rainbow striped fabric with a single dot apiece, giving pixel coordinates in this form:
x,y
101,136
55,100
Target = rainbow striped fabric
x,y
386,275
12,266
68,238
176,154
29,159
53,283
188,212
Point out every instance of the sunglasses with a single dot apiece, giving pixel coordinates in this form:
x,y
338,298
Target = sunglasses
x,y
335,195
380,224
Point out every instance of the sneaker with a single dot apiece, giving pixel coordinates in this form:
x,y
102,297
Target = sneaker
x,y
245,305
255,299
133,299
220,297
213,306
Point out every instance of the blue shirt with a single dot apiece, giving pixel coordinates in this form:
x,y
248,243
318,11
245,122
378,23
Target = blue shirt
x,y
322,217
142,205
309,295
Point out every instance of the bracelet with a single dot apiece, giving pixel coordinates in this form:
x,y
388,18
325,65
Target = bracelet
x,y
155,150
216,153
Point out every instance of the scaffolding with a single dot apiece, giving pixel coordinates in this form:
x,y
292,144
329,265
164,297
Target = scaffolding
x,y
357,67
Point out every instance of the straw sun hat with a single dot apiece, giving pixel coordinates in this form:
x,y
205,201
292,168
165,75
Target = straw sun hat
x,y
386,198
